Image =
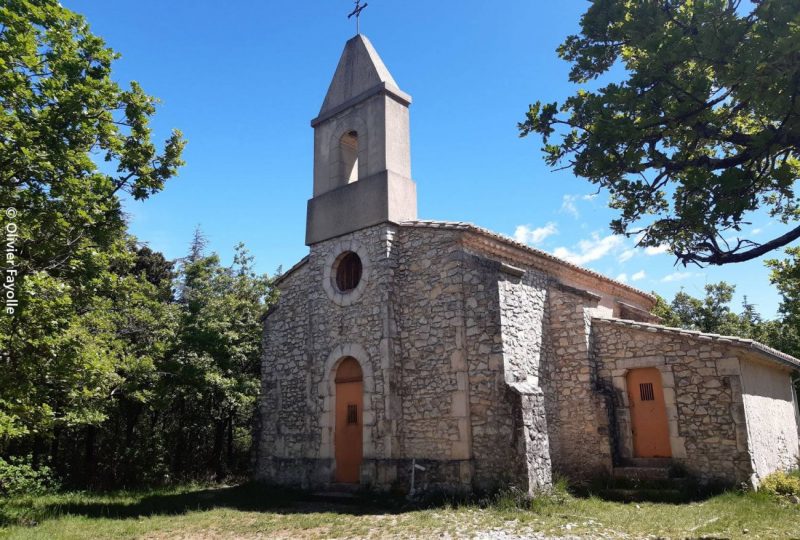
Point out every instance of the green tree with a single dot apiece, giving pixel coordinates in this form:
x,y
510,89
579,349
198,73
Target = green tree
x,y
785,276
702,129
713,314
215,366
61,114
710,314
78,356
71,142
663,310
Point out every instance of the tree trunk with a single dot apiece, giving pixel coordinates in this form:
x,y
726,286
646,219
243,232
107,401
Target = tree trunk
x,y
230,443
177,461
216,455
89,456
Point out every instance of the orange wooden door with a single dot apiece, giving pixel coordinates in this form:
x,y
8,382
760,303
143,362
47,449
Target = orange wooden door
x,y
348,436
648,414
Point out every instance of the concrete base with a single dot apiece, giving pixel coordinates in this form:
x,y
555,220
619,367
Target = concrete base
x,y
377,474
379,198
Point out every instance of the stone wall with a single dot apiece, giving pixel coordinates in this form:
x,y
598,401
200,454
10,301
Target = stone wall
x,y
281,418
457,357
305,337
702,392
770,409
450,344
471,364
522,316
576,401
432,374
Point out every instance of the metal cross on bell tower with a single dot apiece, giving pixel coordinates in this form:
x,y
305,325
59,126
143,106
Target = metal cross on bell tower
x,y
357,12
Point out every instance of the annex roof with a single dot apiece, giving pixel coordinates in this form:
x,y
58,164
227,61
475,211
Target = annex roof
x,y
768,352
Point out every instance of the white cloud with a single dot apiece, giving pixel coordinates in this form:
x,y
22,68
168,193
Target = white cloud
x,y
638,275
756,231
676,276
623,277
656,250
526,235
627,255
590,250
568,203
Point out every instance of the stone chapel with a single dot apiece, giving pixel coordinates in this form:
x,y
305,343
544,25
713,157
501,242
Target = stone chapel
x,y
413,354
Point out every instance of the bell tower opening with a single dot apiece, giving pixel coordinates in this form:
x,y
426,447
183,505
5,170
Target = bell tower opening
x,y
362,149
348,158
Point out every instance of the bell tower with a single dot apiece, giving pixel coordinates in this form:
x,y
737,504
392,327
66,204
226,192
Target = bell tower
x,y
362,152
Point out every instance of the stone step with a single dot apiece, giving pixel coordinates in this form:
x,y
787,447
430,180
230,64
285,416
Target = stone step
x,y
649,483
638,495
647,462
642,473
337,493
344,488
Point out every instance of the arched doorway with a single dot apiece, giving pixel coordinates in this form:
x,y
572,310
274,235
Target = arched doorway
x,y
648,414
348,426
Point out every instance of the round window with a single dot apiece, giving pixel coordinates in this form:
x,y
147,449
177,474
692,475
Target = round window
x,y
348,271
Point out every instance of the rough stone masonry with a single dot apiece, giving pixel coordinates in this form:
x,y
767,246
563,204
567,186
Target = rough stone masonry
x,y
484,363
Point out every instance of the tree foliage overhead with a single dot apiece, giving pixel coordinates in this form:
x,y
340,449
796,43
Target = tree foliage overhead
x,y
703,128
60,114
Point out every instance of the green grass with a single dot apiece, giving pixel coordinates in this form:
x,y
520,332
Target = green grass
x,y
254,511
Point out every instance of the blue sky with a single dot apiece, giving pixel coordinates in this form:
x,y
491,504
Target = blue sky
x,y
243,79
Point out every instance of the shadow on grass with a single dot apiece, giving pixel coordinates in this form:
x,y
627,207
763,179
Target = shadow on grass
x,y
249,497
258,497
673,490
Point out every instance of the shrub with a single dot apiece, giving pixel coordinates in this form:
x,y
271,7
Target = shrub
x,y
19,477
782,483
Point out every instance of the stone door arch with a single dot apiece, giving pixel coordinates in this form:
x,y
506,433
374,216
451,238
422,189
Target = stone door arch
x,y
328,393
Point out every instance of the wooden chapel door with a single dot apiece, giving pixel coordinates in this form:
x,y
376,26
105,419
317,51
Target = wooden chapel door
x,y
648,414
348,427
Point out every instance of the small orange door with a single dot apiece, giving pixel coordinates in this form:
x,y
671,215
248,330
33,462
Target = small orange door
x,y
648,414
347,439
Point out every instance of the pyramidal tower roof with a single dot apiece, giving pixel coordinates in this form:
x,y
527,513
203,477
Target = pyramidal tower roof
x,y
360,70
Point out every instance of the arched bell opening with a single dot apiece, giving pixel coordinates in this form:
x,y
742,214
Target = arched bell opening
x,y
348,157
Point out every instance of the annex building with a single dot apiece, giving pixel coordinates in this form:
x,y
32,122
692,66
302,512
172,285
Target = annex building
x,y
402,345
